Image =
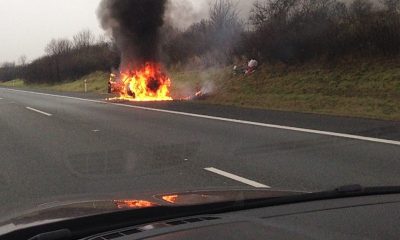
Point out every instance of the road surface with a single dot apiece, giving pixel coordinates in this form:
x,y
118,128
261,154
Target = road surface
x,y
55,146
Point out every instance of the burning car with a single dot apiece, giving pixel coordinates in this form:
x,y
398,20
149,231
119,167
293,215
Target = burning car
x,y
147,83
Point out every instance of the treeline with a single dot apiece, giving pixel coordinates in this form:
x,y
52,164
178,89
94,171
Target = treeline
x,y
300,30
10,71
288,31
65,60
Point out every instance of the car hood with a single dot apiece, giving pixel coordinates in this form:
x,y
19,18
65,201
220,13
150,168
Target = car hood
x,y
63,210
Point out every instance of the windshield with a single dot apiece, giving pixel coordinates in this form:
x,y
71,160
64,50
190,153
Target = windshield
x,y
134,102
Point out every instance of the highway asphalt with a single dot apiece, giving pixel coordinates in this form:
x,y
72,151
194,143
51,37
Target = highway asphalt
x,y
56,146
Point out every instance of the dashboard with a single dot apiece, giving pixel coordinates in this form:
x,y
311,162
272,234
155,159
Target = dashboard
x,y
368,217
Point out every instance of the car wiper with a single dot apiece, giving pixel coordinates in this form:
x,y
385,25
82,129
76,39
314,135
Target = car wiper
x,y
85,226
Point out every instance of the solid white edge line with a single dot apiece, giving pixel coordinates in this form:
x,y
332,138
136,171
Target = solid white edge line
x,y
1,98
38,111
236,178
54,95
304,130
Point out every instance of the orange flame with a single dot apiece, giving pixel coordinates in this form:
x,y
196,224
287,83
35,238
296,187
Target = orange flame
x,y
170,198
133,204
146,84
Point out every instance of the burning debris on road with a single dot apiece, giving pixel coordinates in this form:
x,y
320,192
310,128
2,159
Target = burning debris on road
x,y
203,91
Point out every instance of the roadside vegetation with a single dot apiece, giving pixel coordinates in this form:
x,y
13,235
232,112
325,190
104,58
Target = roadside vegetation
x,y
96,83
318,56
371,89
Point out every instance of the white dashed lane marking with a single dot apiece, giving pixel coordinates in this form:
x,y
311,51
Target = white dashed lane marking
x,y
258,124
236,178
38,111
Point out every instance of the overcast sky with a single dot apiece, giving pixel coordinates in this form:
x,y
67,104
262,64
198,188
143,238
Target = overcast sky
x,y
26,26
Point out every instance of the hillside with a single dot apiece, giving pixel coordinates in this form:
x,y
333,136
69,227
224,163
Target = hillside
x,y
369,89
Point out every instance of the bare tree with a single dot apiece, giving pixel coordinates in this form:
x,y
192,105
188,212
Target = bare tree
x,y
226,28
259,14
361,8
274,10
51,47
84,39
22,60
101,39
224,13
391,5
58,47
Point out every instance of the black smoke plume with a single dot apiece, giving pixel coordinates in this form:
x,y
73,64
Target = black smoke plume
x,y
134,26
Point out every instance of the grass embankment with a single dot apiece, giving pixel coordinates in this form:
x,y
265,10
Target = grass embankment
x,y
368,89
96,82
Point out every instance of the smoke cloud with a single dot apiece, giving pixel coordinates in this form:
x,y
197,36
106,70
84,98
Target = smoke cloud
x,y
134,26
182,13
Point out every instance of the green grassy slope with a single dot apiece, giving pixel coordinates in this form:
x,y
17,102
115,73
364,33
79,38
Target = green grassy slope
x,y
363,89
96,82
368,89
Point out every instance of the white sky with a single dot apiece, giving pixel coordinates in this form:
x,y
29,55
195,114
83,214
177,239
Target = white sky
x,y
26,26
